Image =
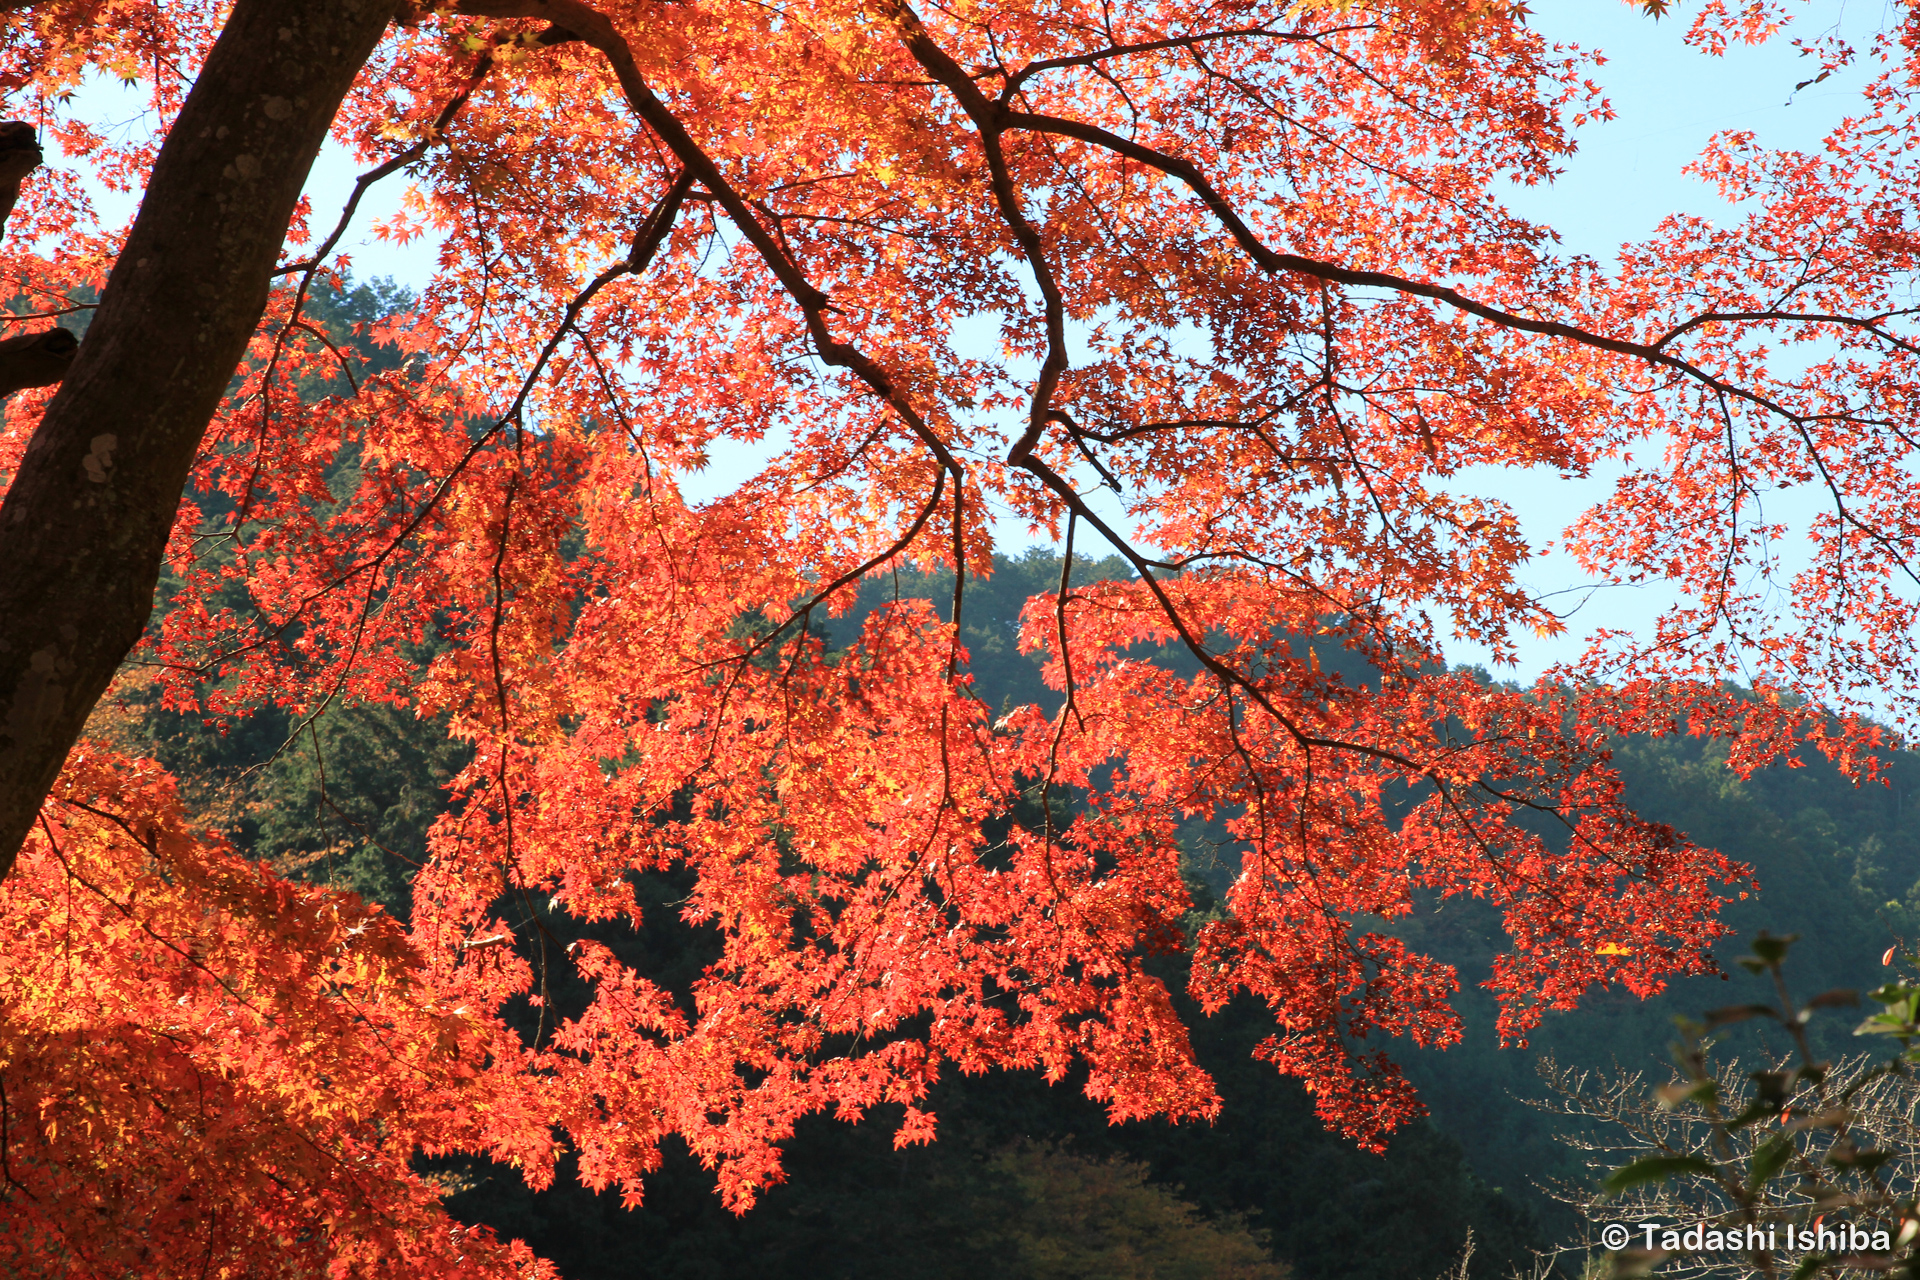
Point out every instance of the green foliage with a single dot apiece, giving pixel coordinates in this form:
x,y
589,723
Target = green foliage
x,y
1078,1219
346,799
1654,1169
351,798
344,313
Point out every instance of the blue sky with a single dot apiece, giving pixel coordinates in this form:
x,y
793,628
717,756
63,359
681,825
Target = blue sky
x,y
1625,177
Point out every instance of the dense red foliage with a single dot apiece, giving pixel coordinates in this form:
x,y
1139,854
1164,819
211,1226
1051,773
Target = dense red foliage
x,y
1246,264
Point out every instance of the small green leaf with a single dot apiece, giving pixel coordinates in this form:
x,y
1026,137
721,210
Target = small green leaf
x,y
1883,1024
1810,1266
1851,1158
1772,1085
1657,1169
1631,1264
1770,1159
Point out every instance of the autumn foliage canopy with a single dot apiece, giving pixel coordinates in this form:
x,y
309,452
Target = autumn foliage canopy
x,y
1226,286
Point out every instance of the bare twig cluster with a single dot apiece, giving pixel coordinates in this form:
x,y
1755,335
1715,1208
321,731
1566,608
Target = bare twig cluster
x,y
1799,1168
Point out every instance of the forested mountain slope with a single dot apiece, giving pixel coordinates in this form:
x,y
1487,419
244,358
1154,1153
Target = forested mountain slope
x,y
1031,1180
1837,864
1025,1175
1026,1180
1833,863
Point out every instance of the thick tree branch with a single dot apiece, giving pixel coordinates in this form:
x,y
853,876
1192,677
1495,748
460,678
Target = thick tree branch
x,y
1654,353
989,117
1275,261
1098,56
35,359
86,520
19,156
589,25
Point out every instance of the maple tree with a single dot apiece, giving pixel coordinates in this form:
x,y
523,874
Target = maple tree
x,y
1247,268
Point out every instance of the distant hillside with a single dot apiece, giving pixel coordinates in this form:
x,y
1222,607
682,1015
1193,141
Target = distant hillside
x,y
1835,863
1022,1169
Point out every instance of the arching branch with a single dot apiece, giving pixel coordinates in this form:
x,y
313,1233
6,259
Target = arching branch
x,y
35,359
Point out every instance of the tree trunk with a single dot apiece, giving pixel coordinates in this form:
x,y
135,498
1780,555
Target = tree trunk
x,y
85,522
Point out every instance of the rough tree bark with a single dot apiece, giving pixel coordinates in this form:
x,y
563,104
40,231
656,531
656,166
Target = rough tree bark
x,y
19,156
85,522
